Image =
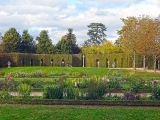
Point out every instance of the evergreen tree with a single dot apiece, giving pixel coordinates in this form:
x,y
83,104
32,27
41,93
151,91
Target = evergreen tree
x,y
67,44
27,44
44,45
11,40
96,34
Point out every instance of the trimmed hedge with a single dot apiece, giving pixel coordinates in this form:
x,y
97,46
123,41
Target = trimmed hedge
x,y
75,60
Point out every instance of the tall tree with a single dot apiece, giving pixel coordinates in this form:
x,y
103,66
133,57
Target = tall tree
x,y
12,40
1,44
27,43
44,45
67,44
128,37
96,34
146,32
155,45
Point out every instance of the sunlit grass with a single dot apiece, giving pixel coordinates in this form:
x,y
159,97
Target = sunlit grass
x,y
26,112
77,70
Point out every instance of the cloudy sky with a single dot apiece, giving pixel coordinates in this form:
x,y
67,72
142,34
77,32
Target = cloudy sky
x,y
57,16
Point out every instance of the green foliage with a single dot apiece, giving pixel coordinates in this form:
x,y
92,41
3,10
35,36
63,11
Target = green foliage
x,y
12,40
44,45
54,92
27,43
96,34
5,94
67,44
24,90
96,90
2,73
69,93
156,92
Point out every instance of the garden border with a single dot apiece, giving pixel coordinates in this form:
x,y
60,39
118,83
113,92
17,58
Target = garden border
x,y
82,102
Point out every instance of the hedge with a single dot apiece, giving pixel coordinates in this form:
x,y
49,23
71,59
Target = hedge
x,y
75,60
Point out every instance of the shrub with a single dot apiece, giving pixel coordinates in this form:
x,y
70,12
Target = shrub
x,y
129,95
54,92
24,90
2,74
69,93
156,92
96,90
5,94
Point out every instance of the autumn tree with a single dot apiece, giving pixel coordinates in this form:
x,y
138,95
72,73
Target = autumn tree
x,y
128,37
146,33
11,40
155,44
44,45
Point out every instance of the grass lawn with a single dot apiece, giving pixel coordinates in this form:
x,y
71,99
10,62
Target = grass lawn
x,y
27,112
76,70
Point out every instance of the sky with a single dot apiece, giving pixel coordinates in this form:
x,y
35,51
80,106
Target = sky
x,y
57,16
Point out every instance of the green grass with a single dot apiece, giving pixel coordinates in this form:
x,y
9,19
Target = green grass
x,y
26,112
77,70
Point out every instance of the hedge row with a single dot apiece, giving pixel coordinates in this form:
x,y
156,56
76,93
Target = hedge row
x,y
75,60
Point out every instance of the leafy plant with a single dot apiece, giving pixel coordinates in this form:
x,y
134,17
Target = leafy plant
x,y
96,90
156,92
24,90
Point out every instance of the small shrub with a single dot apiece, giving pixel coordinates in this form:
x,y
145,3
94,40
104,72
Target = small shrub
x,y
53,92
69,93
2,74
24,90
96,90
5,94
156,92
129,95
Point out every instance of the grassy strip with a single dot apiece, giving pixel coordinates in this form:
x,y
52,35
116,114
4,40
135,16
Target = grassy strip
x,y
77,70
27,112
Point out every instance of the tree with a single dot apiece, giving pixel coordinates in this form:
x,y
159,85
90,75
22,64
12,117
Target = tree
x,y
1,44
106,48
44,45
96,34
128,37
146,32
27,43
11,40
155,45
67,44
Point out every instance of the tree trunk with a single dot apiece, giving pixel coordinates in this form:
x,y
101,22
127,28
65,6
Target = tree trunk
x,y
144,63
134,61
155,63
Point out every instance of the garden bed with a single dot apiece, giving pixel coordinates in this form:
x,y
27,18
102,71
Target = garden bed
x,y
81,102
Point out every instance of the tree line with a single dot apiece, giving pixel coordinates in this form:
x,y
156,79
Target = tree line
x,y
12,41
140,35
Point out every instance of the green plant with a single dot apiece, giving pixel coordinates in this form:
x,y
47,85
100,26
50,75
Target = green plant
x,y
2,73
5,94
24,90
156,92
69,93
96,90
53,92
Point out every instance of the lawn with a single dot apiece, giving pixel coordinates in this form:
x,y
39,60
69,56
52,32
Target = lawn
x,y
42,112
78,70
27,112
